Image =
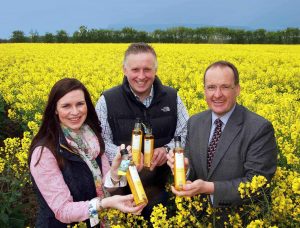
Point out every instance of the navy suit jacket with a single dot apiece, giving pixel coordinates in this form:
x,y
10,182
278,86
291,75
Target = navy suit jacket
x,y
247,147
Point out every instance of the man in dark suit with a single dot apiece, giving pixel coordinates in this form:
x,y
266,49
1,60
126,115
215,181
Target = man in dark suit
x,y
222,155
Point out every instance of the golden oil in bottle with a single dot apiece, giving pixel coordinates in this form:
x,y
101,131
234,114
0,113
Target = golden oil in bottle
x,y
136,185
136,142
148,147
179,169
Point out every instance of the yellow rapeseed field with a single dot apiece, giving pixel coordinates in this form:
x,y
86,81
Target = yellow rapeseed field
x,y
269,78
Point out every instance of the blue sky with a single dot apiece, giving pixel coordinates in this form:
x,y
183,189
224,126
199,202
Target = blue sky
x,y
50,16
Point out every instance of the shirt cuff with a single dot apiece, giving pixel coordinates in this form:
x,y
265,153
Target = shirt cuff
x,y
211,198
109,183
187,173
93,212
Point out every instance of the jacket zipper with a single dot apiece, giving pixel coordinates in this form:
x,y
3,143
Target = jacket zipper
x,y
63,146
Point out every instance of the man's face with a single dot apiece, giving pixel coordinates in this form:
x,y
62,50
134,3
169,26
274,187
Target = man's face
x,y
220,90
140,71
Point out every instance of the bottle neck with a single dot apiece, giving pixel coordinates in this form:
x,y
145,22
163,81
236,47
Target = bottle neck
x,y
148,131
137,126
177,144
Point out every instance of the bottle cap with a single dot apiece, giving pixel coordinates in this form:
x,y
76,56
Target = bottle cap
x,y
148,129
177,138
124,152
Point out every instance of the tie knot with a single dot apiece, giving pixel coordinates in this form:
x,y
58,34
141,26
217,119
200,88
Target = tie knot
x,y
218,122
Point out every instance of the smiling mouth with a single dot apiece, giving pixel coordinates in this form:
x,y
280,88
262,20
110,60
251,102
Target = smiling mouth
x,y
75,119
140,83
218,102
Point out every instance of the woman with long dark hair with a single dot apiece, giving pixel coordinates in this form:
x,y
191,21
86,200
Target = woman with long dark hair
x,y
70,172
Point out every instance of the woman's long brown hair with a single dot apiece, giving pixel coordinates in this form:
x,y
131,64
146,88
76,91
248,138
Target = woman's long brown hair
x,y
48,134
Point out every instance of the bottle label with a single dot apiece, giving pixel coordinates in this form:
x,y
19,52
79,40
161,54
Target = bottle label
x,y
123,167
134,173
148,152
147,146
179,171
141,191
136,142
137,183
179,160
180,179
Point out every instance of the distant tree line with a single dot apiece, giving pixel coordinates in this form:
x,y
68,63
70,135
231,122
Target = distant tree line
x,y
171,35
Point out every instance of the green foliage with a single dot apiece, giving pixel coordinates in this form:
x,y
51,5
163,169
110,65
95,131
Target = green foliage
x,y
62,36
11,214
49,38
34,36
18,37
171,35
8,128
13,177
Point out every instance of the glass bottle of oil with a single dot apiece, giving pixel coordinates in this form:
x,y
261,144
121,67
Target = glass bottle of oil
x,y
136,142
179,169
148,146
136,185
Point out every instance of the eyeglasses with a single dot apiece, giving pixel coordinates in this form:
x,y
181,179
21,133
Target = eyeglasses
x,y
223,88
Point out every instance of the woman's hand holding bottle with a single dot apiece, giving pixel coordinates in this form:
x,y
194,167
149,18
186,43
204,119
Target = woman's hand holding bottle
x,y
123,203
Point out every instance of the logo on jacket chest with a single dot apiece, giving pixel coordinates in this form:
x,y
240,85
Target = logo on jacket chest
x,y
166,109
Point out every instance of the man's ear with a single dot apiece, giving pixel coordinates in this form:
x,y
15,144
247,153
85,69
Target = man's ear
x,y
238,89
124,70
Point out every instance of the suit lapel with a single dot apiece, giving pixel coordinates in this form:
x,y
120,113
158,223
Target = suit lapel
x,y
203,136
229,133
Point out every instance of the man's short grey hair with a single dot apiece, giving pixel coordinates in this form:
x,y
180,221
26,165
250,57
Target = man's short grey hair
x,y
137,48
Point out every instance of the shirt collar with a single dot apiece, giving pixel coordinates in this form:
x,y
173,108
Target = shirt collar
x,y
148,97
223,118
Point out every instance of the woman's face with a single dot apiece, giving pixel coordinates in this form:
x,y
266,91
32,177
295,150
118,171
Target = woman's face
x,y
72,110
